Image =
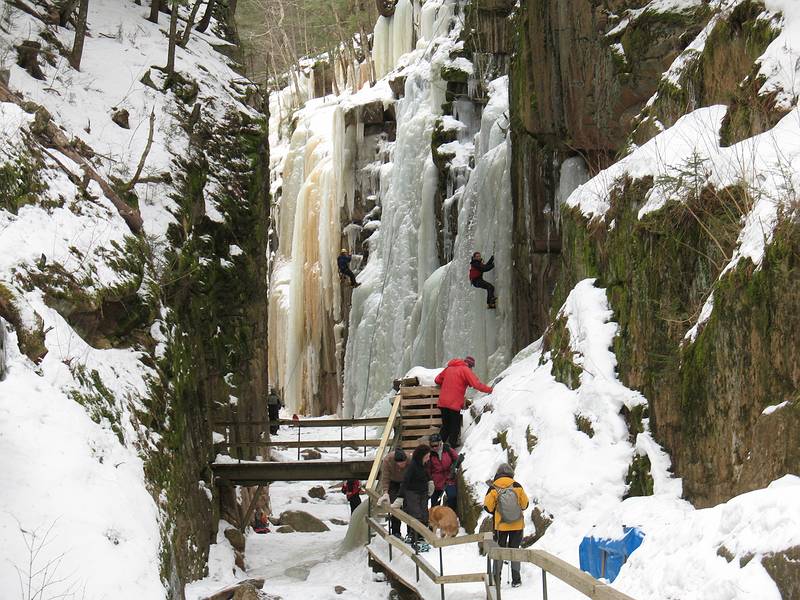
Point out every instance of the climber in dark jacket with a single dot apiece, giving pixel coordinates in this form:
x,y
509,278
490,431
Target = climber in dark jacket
x,y
344,266
417,487
274,405
476,270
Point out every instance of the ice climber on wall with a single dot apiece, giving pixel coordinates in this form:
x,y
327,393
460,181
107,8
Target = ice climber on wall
x,y
476,270
343,262
454,381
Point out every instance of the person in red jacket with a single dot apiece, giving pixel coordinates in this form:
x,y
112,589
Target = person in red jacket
x,y
442,468
454,381
476,270
352,491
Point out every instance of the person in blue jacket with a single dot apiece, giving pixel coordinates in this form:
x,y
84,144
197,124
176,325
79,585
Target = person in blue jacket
x,y
343,261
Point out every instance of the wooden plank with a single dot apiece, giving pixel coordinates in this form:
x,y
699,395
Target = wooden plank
x,y
418,403
392,573
387,431
410,428
569,574
420,391
425,567
318,443
464,539
411,412
461,578
369,422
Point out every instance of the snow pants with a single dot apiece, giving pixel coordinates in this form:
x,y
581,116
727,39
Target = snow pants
x,y
485,285
348,273
508,539
451,426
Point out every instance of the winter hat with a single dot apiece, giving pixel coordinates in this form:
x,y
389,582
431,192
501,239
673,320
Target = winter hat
x,y
504,470
470,361
435,438
399,455
344,251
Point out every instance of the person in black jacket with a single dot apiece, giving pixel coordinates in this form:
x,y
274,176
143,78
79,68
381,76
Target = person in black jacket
x,y
343,263
417,487
476,270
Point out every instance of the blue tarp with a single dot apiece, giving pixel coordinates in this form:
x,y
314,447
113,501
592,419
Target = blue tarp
x,y
604,557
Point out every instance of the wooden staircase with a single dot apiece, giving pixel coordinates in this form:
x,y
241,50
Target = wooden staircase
x,y
418,416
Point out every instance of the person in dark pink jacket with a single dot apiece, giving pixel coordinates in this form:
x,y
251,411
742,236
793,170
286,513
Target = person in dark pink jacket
x,y
454,380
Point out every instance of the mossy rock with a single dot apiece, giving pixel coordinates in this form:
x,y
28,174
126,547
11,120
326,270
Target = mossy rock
x,y
21,182
31,341
557,349
639,479
584,425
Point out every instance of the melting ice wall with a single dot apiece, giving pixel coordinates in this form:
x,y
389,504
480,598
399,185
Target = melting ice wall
x,y
409,308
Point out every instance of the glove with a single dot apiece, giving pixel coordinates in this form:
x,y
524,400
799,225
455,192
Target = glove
x,y
384,499
398,503
431,488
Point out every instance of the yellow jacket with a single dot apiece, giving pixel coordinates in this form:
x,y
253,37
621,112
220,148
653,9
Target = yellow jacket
x,y
490,503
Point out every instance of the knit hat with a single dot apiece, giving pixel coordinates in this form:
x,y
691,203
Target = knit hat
x,y
504,470
399,455
470,361
435,438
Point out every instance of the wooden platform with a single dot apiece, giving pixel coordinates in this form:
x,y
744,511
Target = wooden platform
x,y
256,473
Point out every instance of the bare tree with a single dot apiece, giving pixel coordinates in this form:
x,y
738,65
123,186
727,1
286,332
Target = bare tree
x,y
173,38
206,20
190,23
80,35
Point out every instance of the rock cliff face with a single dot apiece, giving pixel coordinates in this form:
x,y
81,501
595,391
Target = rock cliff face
x,y
580,86
582,71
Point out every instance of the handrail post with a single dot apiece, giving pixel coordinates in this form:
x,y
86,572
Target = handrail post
x,y
544,584
298,440
341,443
441,569
365,441
415,545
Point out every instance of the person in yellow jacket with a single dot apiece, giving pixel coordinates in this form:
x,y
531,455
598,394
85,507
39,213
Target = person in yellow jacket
x,y
506,500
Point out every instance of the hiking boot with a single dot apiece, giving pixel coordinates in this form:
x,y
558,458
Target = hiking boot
x,y
492,305
516,584
422,546
408,539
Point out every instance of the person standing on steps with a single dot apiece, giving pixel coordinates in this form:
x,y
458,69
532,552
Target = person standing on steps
x,y
441,467
416,489
352,491
344,267
506,500
393,470
454,381
476,270
274,405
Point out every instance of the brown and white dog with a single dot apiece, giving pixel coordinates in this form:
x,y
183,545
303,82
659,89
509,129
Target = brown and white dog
x,y
444,519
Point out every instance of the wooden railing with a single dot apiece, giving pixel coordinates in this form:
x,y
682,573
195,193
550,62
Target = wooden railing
x,y
264,442
437,576
548,563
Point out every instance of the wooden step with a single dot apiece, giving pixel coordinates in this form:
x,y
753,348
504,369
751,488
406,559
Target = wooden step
x,y
420,391
418,403
427,423
419,412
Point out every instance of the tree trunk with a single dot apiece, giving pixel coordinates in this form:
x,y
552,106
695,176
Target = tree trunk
x,y
154,7
80,35
65,8
190,23
173,36
206,20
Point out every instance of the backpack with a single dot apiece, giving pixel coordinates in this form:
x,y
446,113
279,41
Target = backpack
x,y
508,504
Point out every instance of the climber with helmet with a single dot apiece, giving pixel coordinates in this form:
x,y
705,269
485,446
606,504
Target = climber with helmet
x,y
454,380
476,270
344,267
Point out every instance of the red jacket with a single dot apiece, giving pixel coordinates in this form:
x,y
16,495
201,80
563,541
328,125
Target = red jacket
x,y
350,489
454,380
439,468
